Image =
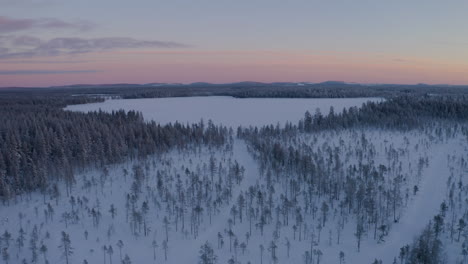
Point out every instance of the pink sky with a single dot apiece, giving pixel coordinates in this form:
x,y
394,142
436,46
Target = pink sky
x,y
50,42
223,66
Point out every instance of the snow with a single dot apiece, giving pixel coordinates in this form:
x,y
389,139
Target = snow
x,y
224,110
184,248
113,192
423,208
210,232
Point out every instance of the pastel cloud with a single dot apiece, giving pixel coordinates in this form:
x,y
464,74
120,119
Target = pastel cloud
x,y
8,25
28,46
29,72
66,61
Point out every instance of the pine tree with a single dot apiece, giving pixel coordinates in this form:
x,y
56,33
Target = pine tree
x,y
66,247
43,250
126,260
359,232
272,248
166,227
112,211
120,245
154,244
341,257
461,226
20,240
5,255
33,244
165,247
6,237
110,251
207,255
262,248
104,250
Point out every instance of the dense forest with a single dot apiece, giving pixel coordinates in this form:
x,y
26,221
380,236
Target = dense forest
x,y
40,142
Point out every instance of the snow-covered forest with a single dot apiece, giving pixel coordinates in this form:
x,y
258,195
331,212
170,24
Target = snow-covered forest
x,y
385,182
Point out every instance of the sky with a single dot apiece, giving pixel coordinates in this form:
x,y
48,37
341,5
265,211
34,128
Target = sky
x,y
63,42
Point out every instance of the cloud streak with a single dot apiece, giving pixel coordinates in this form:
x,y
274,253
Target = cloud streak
x,y
29,47
44,61
9,25
29,72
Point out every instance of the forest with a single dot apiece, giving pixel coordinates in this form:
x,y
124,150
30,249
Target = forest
x,y
375,196
381,183
40,143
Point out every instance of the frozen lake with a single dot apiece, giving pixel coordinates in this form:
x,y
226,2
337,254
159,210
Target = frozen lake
x,y
225,110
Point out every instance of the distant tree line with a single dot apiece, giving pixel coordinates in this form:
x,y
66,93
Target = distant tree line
x,y
246,90
41,143
404,113
287,90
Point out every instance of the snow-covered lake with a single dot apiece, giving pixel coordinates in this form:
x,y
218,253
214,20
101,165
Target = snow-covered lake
x,y
225,110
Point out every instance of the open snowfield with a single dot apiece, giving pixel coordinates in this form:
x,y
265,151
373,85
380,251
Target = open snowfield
x,y
224,110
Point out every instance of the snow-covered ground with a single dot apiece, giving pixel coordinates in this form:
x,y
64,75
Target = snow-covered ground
x,y
416,211
102,191
198,189
423,207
